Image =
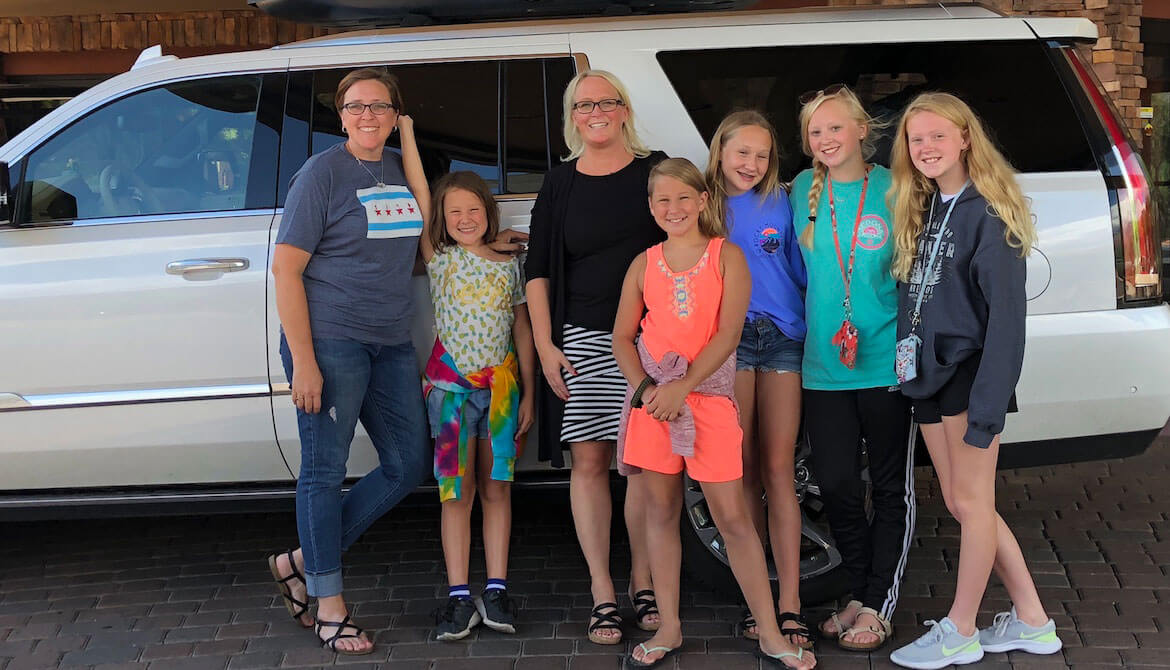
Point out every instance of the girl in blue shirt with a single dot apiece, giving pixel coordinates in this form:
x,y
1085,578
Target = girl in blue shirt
x,y
743,173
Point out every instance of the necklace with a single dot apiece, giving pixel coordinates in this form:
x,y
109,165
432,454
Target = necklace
x,y
382,162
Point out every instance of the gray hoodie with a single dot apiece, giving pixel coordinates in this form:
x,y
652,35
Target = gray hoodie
x,y
974,302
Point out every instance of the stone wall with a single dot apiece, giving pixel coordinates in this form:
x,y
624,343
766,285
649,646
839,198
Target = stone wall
x,y
1117,55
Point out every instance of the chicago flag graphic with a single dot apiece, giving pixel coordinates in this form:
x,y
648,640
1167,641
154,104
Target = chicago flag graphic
x,y
391,211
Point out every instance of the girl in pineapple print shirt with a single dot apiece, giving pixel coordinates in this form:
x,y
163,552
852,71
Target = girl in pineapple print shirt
x,y
479,383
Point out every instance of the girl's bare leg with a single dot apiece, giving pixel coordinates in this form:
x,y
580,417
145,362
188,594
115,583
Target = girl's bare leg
x,y
456,521
496,500
726,503
780,394
663,496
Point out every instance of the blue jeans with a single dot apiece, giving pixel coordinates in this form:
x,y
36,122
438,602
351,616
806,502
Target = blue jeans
x,y
765,348
380,385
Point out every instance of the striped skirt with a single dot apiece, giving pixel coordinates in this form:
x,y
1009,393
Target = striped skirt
x,y
598,390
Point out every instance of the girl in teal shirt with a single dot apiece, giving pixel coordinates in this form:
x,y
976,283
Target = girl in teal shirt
x,y
850,392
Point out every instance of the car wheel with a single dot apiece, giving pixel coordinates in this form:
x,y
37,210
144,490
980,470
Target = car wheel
x,y
705,555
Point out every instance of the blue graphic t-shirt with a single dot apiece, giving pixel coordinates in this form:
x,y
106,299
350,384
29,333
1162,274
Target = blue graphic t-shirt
x,y
363,239
762,227
874,292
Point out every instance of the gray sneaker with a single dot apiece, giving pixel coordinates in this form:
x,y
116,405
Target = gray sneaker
x,y
939,647
1008,633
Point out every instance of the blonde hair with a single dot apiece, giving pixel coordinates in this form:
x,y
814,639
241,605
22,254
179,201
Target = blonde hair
x,y
731,124
685,171
856,112
990,174
573,139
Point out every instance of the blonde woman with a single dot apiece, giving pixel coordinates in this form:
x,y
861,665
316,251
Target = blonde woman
x,y
962,230
590,220
743,171
850,391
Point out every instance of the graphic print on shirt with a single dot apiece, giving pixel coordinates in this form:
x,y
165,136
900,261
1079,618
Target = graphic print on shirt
x,y
682,294
391,211
873,233
925,245
768,240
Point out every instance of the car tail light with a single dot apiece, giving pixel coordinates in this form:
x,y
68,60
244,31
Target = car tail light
x,y
1135,214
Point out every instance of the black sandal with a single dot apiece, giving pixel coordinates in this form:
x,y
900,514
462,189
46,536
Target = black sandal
x,y
748,621
604,616
297,608
331,642
644,605
799,629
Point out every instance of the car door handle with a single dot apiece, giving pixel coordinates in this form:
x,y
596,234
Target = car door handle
x,y
207,264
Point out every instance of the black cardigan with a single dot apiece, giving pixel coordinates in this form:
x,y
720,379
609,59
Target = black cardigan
x,y
546,249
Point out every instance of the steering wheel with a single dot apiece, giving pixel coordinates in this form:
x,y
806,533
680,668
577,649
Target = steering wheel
x,y
124,193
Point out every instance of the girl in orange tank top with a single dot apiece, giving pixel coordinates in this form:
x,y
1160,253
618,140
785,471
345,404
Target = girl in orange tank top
x,y
681,411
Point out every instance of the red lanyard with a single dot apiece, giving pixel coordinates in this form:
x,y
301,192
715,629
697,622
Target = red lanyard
x,y
847,271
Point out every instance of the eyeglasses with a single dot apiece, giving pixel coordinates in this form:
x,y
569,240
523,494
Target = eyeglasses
x,y
378,108
607,105
831,89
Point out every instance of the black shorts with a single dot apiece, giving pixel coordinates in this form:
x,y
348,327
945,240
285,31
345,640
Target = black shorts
x,y
952,399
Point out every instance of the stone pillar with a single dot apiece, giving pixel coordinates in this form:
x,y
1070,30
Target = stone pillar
x,y
1116,57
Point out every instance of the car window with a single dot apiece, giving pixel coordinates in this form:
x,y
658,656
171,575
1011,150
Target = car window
x,y
184,147
1029,112
457,109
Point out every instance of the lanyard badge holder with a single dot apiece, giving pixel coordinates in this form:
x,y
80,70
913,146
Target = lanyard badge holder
x,y
847,338
906,353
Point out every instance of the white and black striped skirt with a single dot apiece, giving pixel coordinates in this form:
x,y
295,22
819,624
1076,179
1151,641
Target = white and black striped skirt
x,y
598,390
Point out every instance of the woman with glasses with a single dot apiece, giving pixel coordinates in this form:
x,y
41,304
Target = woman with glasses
x,y
342,265
590,220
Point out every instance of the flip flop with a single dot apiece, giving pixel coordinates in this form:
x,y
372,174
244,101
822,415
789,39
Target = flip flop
x,y
297,608
777,660
632,662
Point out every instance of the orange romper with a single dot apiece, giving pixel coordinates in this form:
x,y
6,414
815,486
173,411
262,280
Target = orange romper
x,y
682,316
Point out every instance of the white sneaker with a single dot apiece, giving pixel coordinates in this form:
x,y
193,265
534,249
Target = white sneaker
x,y
941,646
1008,633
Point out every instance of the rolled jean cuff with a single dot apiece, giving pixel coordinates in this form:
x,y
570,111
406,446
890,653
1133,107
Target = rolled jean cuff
x,y
324,585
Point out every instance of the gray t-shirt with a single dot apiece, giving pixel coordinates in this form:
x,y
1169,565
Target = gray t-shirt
x,y
363,240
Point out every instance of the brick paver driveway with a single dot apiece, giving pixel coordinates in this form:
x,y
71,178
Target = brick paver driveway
x,y
194,592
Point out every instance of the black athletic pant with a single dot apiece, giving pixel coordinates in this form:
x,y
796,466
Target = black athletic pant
x,y
836,422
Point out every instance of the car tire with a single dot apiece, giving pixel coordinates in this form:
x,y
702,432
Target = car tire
x,y
705,558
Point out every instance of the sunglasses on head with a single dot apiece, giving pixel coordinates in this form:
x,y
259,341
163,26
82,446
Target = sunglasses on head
x,y
831,89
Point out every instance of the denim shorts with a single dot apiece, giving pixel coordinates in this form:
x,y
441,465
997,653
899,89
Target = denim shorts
x,y
475,412
763,348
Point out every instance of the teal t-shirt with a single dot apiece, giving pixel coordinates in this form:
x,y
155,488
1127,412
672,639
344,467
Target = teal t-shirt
x,y
874,292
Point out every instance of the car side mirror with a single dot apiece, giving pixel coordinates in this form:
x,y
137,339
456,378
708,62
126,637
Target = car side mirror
x,y
5,196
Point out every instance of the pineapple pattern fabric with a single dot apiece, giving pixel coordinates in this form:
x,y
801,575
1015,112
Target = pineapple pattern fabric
x,y
473,299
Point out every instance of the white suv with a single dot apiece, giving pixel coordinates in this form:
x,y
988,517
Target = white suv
x,y
136,307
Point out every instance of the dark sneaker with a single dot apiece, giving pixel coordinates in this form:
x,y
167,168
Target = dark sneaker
x,y
498,610
455,620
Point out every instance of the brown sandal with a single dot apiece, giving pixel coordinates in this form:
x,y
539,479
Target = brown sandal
x,y
882,632
836,634
297,608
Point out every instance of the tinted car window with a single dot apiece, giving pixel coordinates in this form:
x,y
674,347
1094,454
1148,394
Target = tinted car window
x,y
186,147
1012,85
457,109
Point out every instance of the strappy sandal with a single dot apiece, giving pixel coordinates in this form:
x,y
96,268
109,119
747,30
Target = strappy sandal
x,y
777,660
882,631
632,662
331,641
297,608
836,634
644,605
604,617
746,623
799,629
